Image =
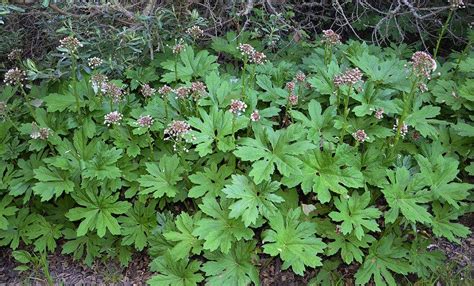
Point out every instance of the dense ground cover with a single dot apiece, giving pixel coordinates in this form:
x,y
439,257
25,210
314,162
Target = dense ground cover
x,y
217,160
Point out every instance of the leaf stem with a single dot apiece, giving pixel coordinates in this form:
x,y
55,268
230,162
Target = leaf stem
x,y
441,34
27,100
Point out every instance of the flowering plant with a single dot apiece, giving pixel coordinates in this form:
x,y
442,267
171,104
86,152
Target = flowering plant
x,y
337,158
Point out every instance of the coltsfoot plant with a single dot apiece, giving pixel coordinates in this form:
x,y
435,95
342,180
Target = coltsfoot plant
x,y
214,159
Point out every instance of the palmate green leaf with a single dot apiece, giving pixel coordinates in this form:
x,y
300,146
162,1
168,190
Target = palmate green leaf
x,y
273,93
88,244
252,200
327,274
60,102
424,261
464,129
322,81
44,234
466,91
175,273
325,171
187,242
163,177
6,174
6,211
233,269
140,75
189,66
138,224
380,70
320,124
23,178
385,256
443,91
17,229
97,212
219,91
349,246
438,172
271,148
211,181
443,226
467,65
372,99
219,230
355,215
294,241
420,119
215,130
53,182
405,194
373,167
103,165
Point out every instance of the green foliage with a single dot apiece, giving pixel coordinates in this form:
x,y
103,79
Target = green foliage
x,y
162,178
271,148
96,213
242,164
234,268
6,211
187,242
355,215
219,230
294,241
179,273
251,200
384,256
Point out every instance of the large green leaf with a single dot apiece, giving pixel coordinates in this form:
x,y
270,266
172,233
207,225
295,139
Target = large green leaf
x,y
294,241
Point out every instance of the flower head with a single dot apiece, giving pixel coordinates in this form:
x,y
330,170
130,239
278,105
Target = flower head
x,y
253,56
177,129
246,50
176,132
70,43
258,58
198,87
147,90
178,47
330,37
237,107
15,54
113,91
300,77
145,121
290,86
94,62
99,82
403,129
182,92
164,90
349,77
360,135
423,64
14,76
255,116
113,118
39,133
379,113
195,32
456,4
293,99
